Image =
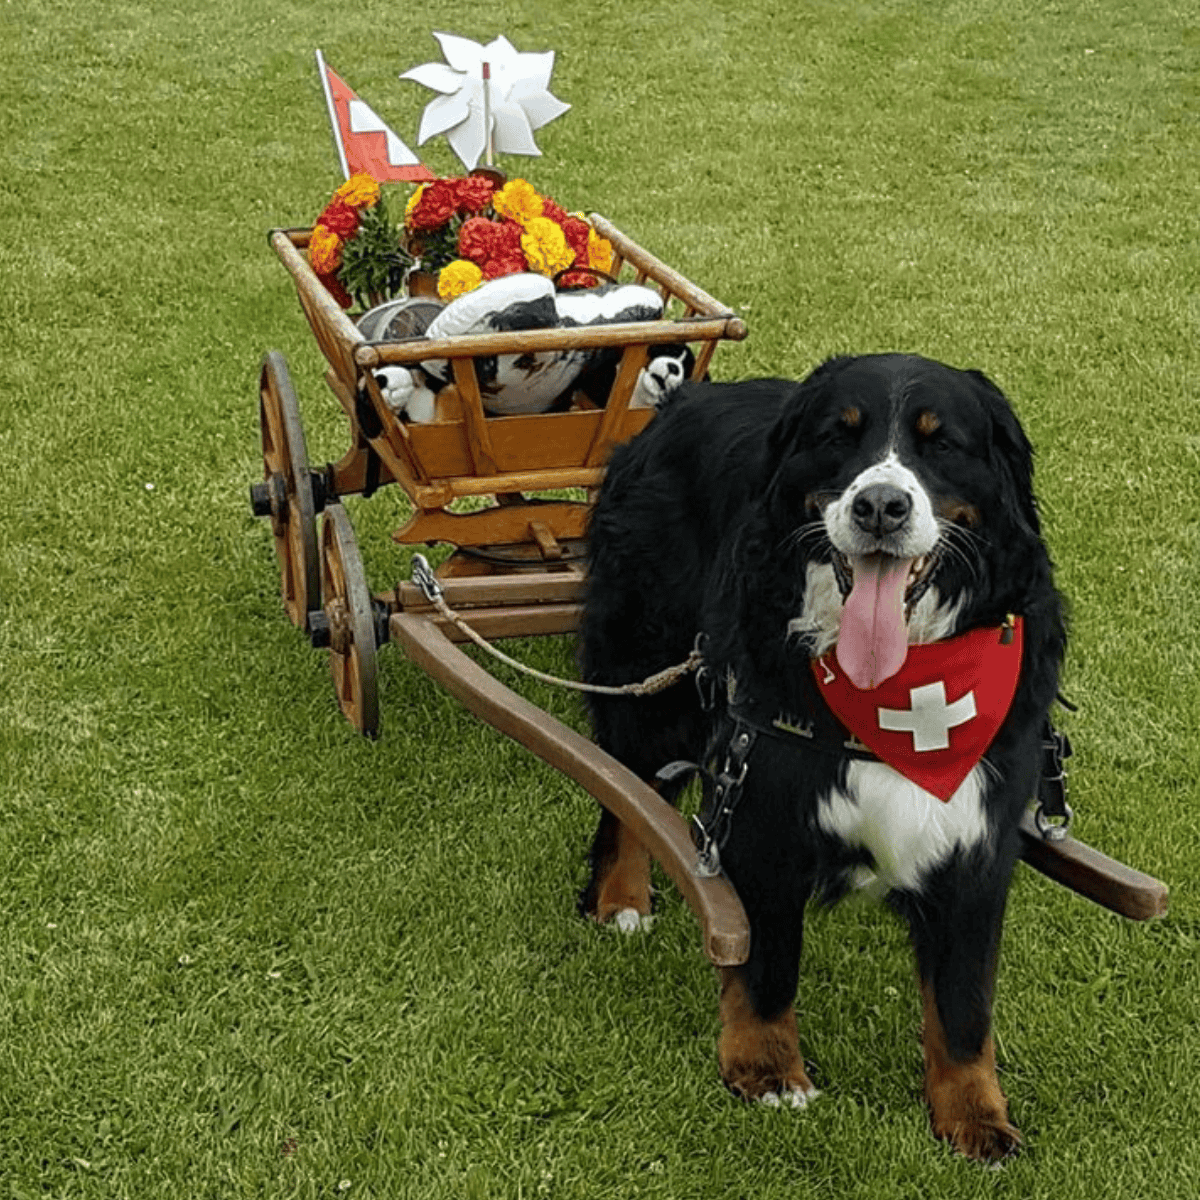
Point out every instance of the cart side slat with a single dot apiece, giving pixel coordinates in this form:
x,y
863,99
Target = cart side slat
x,y
633,359
629,251
479,439
337,335
490,591
505,525
395,452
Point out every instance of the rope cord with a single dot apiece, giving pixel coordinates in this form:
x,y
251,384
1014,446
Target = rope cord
x,y
658,682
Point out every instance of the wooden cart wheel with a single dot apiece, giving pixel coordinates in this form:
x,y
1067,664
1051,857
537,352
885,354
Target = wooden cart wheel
x,y
286,493
350,615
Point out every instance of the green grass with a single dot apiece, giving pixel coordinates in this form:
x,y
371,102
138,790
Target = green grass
x,y
246,953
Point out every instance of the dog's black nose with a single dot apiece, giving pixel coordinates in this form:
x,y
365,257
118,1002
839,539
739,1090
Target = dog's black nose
x,y
880,509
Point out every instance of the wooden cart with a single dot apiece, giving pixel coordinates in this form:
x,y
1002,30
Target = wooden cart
x,y
516,568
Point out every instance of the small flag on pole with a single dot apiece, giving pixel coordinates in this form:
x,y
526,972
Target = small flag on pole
x,y
364,142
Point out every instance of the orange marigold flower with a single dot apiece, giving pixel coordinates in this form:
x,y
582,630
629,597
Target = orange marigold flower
x,y
458,278
518,200
324,250
600,252
359,191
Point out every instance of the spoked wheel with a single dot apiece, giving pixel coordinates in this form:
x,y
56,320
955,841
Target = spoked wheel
x,y
286,493
350,617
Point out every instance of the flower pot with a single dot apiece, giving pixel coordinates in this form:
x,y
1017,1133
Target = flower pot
x,y
421,283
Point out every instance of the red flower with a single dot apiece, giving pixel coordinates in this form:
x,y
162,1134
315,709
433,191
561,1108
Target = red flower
x,y
481,240
505,263
340,218
577,231
508,240
555,212
435,207
478,239
473,193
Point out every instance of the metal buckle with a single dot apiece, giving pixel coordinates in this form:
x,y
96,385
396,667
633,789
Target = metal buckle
x,y
424,578
1053,827
708,856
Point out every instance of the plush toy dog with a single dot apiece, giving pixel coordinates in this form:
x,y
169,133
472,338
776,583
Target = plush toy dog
x,y
534,383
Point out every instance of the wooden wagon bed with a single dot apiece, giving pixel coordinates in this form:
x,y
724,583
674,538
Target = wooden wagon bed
x,y
475,454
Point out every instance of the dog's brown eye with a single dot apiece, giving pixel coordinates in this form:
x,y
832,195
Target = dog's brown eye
x,y
935,438
845,430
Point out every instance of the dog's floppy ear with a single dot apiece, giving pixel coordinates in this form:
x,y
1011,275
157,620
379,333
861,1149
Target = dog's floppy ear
x,y
796,411
1011,452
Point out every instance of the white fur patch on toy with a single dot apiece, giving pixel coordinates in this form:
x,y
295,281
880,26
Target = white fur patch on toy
x,y
404,396
659,378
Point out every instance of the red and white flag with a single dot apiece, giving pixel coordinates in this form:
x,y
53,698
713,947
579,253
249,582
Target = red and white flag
x,y
364,142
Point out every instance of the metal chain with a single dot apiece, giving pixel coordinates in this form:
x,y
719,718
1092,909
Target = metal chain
x,y
424,578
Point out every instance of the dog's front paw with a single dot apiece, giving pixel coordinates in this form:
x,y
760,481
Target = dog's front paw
x,y
986,1137
767,1076
796,1096
760,1058
966,1105
629,920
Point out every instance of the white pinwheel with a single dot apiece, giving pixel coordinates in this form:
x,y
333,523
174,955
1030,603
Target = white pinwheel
x,y
479,114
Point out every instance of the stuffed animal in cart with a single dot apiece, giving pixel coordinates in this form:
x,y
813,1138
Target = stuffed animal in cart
x,y
535,382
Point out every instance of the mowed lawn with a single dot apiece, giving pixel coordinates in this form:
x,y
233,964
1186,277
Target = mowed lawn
x,y
245,952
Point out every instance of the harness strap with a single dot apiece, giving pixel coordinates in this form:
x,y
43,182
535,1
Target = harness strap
x,y
721,794
1052,785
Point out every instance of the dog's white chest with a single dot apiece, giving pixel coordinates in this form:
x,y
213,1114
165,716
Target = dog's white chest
x,y
907,831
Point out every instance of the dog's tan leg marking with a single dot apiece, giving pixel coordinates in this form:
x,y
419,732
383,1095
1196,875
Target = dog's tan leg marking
x,y
759,1058
623,882
966,1105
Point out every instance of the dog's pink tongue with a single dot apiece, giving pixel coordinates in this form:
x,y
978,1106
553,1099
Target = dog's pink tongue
x,y
873,642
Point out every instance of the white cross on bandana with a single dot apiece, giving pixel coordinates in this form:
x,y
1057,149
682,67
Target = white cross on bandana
x,y
930,718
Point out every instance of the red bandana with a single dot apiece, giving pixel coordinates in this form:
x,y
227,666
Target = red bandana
x,y
933,720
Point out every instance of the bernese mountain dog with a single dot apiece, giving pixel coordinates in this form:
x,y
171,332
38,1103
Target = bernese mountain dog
x,y
859,559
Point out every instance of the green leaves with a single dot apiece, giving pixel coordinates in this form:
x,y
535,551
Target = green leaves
x,y
374,261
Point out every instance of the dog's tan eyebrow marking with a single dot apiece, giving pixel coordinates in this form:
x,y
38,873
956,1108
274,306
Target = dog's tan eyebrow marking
x,y
950,508
928,423
851,417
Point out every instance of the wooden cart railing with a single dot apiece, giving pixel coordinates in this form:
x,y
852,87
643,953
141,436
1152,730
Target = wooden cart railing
x,y
474,454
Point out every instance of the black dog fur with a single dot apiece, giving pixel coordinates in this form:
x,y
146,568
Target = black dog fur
x,y
710,522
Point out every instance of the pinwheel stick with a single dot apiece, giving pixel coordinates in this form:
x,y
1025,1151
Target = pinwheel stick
x,y
487,113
